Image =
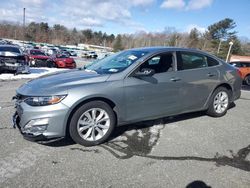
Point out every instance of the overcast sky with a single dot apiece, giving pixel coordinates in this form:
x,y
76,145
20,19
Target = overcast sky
x,y
129,16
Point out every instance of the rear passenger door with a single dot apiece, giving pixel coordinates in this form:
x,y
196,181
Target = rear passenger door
x,y
199,77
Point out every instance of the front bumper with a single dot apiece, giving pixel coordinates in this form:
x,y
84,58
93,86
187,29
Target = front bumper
x,y
53,129
16,69
66,65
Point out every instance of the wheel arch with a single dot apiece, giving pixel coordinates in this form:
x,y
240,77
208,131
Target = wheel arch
x,y
248,74
225,85
79,104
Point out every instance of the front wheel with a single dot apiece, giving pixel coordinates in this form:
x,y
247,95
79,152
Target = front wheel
x,y
219,102
247,80
51,64
92,123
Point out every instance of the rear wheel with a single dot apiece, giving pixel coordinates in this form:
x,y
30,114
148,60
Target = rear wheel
x,y
247,80
92,123
219,102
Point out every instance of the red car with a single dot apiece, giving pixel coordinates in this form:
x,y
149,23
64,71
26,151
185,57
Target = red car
x,y
37,58
62,61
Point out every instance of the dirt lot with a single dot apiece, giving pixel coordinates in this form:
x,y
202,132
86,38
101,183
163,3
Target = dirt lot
x,y
169,152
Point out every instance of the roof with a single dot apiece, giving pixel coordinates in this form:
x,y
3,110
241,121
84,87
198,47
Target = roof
x,y
239,58
163,48
9,46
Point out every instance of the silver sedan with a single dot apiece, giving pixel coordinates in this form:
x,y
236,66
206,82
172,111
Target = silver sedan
x,y
129,86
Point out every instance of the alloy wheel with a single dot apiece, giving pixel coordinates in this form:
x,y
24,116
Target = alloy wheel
x,y
221,102
93,124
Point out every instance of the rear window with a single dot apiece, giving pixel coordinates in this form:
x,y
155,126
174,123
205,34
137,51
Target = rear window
x,y
244,64
240,64
62,56
192,60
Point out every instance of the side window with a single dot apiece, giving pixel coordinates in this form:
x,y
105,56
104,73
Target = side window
x,y
154,60
211,62
192,61
160,63
245,64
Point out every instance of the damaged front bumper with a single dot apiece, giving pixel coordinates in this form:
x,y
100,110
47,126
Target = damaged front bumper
x,y
35,135
41,124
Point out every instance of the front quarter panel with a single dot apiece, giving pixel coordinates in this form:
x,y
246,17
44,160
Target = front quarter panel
x,y
111,90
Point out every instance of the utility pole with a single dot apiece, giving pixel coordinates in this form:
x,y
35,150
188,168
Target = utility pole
x,y
218,50
23,25
229,50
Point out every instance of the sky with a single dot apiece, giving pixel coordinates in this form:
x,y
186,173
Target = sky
x,y
130,16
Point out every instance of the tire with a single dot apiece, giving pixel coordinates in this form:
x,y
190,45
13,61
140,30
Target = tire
x,y
247,80
51,64
219,102
84,129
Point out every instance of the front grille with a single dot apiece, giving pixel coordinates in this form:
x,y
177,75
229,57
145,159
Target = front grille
x,y
13,60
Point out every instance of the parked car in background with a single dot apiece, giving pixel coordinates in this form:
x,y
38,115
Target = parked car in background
x,y
37,58
90,54
130,86
52,51
61,61
12,60
69,53
244,68
73,53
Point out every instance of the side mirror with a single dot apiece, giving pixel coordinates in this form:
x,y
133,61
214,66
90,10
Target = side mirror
x,y
145,72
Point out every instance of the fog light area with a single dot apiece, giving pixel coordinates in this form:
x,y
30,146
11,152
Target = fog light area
x,y
36,126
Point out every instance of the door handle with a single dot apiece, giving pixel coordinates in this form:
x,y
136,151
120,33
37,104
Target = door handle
x,y
210,74
174,79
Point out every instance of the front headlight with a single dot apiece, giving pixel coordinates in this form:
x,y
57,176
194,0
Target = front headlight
x,y
44,101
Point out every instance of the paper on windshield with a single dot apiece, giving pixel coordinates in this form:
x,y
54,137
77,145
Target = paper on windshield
x,y
132,57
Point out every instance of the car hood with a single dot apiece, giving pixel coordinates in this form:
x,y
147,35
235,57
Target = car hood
x,y
58,83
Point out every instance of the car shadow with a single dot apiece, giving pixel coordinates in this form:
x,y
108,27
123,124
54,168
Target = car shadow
x,y
245,87
197,184
119,131
139,139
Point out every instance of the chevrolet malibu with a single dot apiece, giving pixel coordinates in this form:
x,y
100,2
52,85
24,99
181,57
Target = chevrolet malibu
x,y
129,86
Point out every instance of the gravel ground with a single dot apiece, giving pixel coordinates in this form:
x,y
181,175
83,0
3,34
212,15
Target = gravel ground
x,y
168,152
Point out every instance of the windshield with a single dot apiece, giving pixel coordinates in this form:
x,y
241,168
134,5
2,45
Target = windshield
x,y
117,62
62,56
36,52
10,49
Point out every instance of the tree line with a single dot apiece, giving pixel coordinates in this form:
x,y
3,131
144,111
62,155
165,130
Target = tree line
x,y
215,39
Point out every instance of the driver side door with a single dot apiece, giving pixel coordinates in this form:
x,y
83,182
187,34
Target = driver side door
x,y
154,96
